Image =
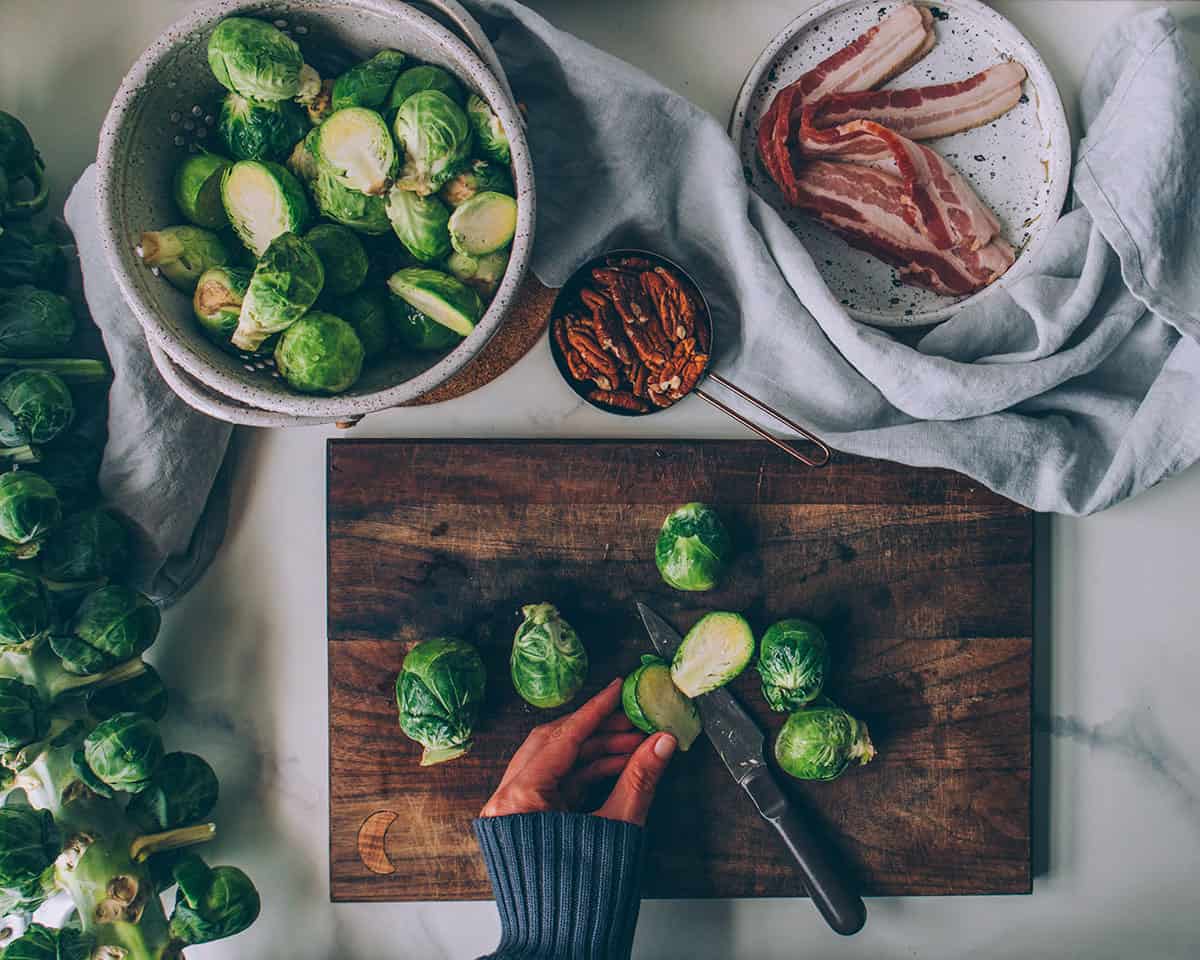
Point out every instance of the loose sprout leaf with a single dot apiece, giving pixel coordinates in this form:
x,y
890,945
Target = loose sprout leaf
x,y
693,548
549,663
793,661
715,650
653,703
820,741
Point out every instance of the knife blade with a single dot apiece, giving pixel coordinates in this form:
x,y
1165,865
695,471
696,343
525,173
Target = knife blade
x,y
739,743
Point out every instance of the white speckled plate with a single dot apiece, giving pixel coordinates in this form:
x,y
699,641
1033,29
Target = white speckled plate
x,y
1020,164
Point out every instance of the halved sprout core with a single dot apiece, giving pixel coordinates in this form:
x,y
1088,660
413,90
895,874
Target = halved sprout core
x,y
356,146
263,201
484,224
665,707
714,651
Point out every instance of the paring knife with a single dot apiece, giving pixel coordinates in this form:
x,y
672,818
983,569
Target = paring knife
x,y
739,743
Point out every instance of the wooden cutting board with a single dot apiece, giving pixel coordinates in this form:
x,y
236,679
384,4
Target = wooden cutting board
x,y
921,578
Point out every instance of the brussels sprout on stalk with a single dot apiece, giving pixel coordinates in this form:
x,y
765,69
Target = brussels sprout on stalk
x,y
38,405
29,844
23,715
34,258
91,545
436,138
417,331
489,132
484,224
439,692
423,77
653,703
255,60
366,312
29,509
483,274
70,469
143,693
44,943
693,548
212,902
714,651
439,296
198,189
122,753
183,790
820,741
182,254
24,610
793,659
217,302
549,662
33,322
421,223
284,285
342,256
253,130
349,207
19,160
480,177
355,146
113,624
368,84
264,201
319,353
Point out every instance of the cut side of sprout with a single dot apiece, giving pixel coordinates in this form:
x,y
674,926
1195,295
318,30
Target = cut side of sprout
x,y
654,703
484,224
715,650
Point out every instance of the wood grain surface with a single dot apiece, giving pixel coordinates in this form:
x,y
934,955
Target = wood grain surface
x,y
921,578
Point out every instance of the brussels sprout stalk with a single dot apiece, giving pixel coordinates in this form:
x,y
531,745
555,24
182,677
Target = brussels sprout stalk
x,y
73,370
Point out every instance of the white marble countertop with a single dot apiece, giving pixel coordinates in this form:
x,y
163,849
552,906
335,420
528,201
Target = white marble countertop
x,y
1118,631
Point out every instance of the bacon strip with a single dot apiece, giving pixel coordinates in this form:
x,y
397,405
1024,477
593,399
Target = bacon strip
x,y
867,206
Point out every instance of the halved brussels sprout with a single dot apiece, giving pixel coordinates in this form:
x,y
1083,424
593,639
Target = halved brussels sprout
x,y
481,176
424,77
25,615
439,296
366,312
489,132
349,207
820,741
368,84
436,138
319,353
198,190
217,302
483,274
255,59
549,662
693,548
793,659
653,703
39,406
439,692
34,323
284,285
253,130
421,223
342,255
714,651
484,224
355,146
181,254
417,331
263,201
29,509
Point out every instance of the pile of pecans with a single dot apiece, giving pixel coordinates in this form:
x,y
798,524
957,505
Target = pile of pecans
x,y
636,334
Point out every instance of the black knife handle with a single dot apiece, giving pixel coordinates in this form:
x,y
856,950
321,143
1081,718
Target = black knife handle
x,y
842,909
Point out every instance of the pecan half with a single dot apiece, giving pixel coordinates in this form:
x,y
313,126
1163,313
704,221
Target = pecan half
x,y
559,329
639,379
580,337
686,308
606,325
626,294
660,295
647,350
619,399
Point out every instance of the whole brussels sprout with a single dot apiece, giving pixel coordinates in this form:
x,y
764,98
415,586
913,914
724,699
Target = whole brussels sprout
x,y
421,223
319,353
24,610
653,703
38,404
484,224
356,148
423,77
440,692
182,254
342,256
366,312
123,752
33,322
820,741
368,84
285,284
212,902
349,207
549,662
113,624
144,694
254,130
70,467
32,258
255,60
439,296
480,177
23,715
693,548
29,509
482,274
19,160
263,201
182,791
436,138
416,331
198,189
489,132
793,660
217,302
29,844
90,545
45,943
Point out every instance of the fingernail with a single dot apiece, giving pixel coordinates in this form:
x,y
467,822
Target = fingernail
x,y
613,683
664,746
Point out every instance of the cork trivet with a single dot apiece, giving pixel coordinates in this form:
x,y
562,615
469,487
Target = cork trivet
x,y
522,328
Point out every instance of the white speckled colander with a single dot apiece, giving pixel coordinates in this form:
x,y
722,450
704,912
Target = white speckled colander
x,y
163,107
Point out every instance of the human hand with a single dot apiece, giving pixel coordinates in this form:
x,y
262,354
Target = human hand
x,y
558,760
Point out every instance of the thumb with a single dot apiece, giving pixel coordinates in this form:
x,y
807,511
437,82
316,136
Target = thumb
x,y
634,792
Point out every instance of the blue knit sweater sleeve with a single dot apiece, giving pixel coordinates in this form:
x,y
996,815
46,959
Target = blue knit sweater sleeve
x,y
567,885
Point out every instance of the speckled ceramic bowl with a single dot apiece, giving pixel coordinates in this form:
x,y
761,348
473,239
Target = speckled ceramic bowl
x,y
162,107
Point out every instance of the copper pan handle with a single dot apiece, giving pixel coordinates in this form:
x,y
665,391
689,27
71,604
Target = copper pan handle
x,y
825,452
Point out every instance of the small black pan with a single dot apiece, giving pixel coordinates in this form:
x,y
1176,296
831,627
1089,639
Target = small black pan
x,y
568,300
